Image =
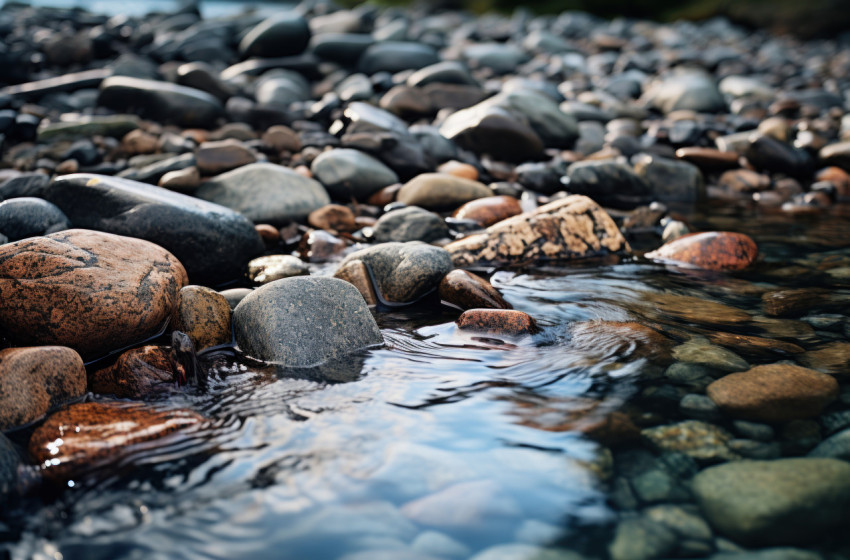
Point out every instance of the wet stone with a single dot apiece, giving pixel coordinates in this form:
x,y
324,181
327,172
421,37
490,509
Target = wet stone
x,y
395,56
772,155
641,539
721,251
497,321
9,464
37,379
700,440
139,373
54,290
571,228
318,319
689,90
832,358
625,340
702,353
204,315
267,269
670,180
27,217
355,272
410,224
610,183
184,181
235,295
469,291
753,346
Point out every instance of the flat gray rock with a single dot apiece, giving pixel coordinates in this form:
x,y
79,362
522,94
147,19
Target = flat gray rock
x,y
304,321
348,173
266,193
410,224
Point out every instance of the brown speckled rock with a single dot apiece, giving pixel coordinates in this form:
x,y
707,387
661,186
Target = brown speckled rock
x,y
34,380
571,228
204,315
470,291
334,218
355,273
621,340
87,435
711,250
436,191
774,393
137,373
88,290
497,321
489,210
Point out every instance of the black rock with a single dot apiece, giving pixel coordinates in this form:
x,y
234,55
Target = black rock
x,y
27,217
64,83
609,183
770,154
395,56
26,184
342,48
282,35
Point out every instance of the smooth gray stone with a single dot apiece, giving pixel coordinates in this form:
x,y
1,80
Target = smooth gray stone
x,y
641,539
836,446
608,182
212,242
692,90
344,48
670,180
27,184
410,224
60,84
161,101
304,321
348,173
280,35
446,72
266,193
501,58
395,56
26,217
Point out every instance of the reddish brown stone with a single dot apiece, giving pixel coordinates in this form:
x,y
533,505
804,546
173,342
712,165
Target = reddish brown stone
x,y
320,246
282,138
89,435
469,291
833,358
622,340
753,346
334,218
838,177
407,102
459,169
139,142
385,195
690,309
88,290
204,315
774,393
498,321
490,210
34,380
799,301
269,233
711,250
708,159
355,272
213,158
137,373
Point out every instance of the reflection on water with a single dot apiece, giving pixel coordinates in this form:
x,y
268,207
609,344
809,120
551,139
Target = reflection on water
x,y
440,444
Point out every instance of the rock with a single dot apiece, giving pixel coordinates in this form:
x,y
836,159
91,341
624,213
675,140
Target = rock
x,y
670,180
489,210
35,380
754,346
571,228
139,373
470,291
684,523
348,173
836,446
610,183
355,272
436,191
641,539
334,218
743,181
87,126
700,440
139,142
770,154
711,250
10,461
395,56
497,321
153,172
623,340
184,181
689,90
214,157
410,224
343,48
407,102
283,34
317,319
161,101
204,315
701,353
774,393
832,358
404,272
235,295
211,241
86,436
780,553
282,138
266,193
780,502
26,217
267,269
91,291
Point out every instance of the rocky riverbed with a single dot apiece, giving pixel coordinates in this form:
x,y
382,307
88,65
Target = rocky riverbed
x,y
391,283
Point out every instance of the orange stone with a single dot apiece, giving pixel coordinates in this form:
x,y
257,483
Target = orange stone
x,y
470,291
838,177
459,169
712,250
269,233
385,195
333,218
489,210
498,321
137,373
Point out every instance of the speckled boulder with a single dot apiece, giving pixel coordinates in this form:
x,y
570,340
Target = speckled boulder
x,y
304,321
34,380
571,228
204,315
91,291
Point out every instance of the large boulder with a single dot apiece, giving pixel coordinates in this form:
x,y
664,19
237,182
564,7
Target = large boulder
x,y
92,291
211,241
304,321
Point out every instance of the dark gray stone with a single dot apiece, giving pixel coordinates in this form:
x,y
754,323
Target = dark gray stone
x,y
410,224
284,34
344,48
836,446
348,173
153,172
501,58
212,242
692,89
9,462
395,56
404,272
26,184
161,101
304,321
280,88
610,183
446,72
27,217
670,180
770,154
266,193
115,126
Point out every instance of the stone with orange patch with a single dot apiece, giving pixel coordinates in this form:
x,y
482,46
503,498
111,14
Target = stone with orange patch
x,y
470,291
334,218
88,435
204,315
34,380
711,250
497,321
490,210
459,169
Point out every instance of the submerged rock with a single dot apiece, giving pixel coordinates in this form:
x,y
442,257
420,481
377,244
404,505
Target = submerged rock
x,y
712,250
497,321
304,321
138,373
91,291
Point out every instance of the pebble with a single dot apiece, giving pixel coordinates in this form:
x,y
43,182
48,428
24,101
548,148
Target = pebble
x,y
204,315
138,373
700,440
714,250
185,181
670,180
437,191
610,183
497,321
65,300
356,273
333,218
160,101
691,90
35,380
351,174
213,158
641,539
284,34
410,224
318,319
396,56
469,291
701,353
489,210
267,269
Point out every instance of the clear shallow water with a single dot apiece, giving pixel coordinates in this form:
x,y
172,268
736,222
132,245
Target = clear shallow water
x,y
438,437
